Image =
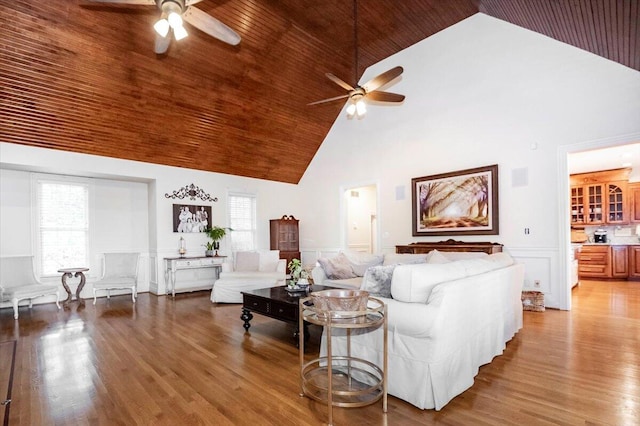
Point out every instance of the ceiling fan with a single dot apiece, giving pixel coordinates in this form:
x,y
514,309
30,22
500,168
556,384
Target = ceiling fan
x,y
173,13
369,90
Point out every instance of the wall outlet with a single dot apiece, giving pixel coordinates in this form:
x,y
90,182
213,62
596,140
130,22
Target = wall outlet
x,y
536,283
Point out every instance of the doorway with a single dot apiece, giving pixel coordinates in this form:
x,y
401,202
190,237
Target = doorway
x,y
592,157
361,218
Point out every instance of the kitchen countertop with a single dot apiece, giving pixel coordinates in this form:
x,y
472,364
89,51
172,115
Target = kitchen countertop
x,y
609,244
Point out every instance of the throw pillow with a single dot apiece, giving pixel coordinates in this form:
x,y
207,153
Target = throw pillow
x,y
337,268
247,261
360,262
403,258
414,283
463,255
502,259
435,256
377,280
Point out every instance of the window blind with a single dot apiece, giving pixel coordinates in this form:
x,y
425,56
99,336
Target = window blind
x,y
63,226
242,219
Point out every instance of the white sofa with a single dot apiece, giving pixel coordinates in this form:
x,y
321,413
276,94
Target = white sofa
x,y
444,322
249,270
353,265
350,267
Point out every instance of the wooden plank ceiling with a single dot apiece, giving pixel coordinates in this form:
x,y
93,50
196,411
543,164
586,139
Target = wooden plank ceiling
x,y
82,77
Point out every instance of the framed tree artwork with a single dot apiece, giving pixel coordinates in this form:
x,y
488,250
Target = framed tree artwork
x,y
456,203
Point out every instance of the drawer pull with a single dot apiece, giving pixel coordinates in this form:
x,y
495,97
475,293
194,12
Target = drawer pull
x,y
280,310
255,303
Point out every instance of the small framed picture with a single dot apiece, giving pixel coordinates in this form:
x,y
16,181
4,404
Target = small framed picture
x,y
191,218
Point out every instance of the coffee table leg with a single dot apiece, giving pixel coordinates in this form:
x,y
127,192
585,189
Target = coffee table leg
x,y
296,333
246,317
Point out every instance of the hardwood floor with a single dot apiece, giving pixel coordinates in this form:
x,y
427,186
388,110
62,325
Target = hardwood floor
x,y
188,361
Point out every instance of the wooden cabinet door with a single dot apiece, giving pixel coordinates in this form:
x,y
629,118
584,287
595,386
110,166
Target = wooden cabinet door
x,y
284,234
634,262
619,262
634,202
617,205
595,203
577,205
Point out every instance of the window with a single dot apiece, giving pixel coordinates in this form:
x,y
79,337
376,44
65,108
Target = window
x,y
62,224
242,219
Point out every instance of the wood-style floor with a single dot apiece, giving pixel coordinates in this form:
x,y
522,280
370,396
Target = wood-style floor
x,y
188,362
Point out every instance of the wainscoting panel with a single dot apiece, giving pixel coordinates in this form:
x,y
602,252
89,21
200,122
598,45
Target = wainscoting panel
x,y
542,265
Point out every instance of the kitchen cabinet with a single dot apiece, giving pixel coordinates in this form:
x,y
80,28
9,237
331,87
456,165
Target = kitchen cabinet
x,y
606,262
634,262
619,262
634,202
600,198
594,261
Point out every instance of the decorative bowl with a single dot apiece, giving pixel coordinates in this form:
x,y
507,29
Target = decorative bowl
x,y
340,300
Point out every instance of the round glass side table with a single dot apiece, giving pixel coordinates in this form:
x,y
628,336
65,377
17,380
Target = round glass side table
x,y
343,380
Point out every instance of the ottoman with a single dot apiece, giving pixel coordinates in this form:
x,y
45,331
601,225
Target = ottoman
x,y
229,290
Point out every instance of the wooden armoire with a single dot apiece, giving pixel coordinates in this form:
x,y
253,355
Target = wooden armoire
x,y
284,237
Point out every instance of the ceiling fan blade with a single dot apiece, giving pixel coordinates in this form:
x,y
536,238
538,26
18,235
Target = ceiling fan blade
x,y
190,2
339,82
210,25
142,2
379,96
162,43
382,79
329,100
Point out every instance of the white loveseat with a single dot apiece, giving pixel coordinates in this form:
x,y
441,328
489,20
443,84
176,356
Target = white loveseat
x,y
249,270
444,322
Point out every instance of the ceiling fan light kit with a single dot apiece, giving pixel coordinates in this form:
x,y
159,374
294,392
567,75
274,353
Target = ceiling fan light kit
x,y
162,26
356,107
173,15
357,95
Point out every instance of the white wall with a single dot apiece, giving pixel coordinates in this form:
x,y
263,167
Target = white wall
x,y
481,92
133,212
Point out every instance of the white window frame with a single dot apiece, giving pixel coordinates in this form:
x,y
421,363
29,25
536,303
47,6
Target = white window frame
x,y
253,230
36,180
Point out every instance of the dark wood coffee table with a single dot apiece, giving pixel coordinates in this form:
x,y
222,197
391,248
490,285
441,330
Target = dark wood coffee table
x,y
277,303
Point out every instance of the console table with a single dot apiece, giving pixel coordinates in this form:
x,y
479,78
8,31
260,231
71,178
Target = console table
x,y
449,245
173,264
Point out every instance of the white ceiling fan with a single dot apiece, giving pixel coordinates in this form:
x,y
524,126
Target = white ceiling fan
x,y
173,13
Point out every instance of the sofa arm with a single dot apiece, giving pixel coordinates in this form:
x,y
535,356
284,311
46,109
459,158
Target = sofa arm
x,y
226,267
277,276
318,275
282,266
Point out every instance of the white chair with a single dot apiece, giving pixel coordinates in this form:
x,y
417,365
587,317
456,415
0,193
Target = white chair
x,y
120,272
250,270
18,282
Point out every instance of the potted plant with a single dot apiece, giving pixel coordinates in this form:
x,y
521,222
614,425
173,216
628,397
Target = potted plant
x,y
216,233
298,275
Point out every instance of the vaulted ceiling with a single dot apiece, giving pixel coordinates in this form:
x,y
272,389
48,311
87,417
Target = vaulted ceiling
x,y
83,77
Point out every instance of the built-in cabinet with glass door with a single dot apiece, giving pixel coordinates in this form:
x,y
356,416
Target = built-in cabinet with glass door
x,y
599,198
